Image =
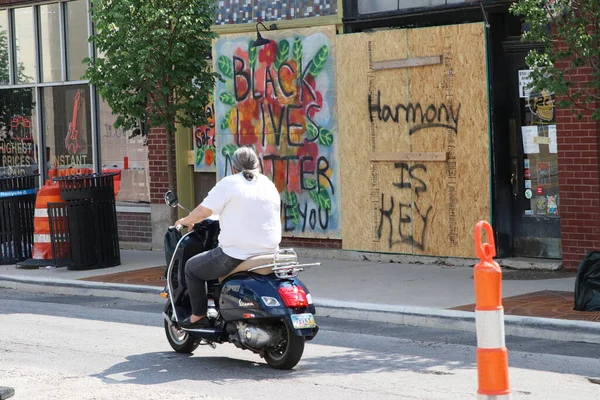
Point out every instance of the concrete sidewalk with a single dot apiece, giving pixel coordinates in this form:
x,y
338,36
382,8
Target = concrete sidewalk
x,y
409,294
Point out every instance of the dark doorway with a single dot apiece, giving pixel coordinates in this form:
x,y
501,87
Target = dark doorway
x,y
534,161
203,182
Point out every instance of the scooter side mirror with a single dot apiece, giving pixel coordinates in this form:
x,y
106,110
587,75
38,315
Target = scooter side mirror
x,y
171,199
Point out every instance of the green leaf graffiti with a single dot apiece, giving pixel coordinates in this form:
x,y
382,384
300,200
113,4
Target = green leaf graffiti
x,y
321,198
227,98
291,201
318,63
283,52
312,131
294,214
252,52
225,121
199,155
297,50
310,183
225,66
228,150
290,198
325,137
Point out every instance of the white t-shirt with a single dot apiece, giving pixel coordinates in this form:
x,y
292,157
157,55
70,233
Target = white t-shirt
x,y
249,215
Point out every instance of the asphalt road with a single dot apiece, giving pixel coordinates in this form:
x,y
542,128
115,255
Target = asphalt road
x,y
89,348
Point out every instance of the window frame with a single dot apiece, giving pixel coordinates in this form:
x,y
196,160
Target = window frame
x,y
38,85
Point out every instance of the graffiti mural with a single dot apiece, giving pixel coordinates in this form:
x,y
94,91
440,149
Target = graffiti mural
x,y
205,152
280,99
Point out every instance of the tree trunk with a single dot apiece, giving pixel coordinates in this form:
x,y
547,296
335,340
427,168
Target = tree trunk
x,y
171,169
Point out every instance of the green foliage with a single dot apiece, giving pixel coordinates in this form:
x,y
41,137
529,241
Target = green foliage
x,y
319,195
312,131
228,150
569,38
321,198
154,64
297,51
290,200
325,137
199,155
225,121
252,53
319,61
225,66
227,98
283,52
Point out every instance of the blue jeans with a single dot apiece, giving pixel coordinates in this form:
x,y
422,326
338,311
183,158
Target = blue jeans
x,y
203,267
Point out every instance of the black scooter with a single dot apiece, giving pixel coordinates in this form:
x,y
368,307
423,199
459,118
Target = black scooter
x,y
260,306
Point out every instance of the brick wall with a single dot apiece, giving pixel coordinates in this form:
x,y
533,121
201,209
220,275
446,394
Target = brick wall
x,y
134,227
312,243
157,159
579,180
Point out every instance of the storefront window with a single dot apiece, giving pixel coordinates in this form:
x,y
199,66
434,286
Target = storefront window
x,y
50,56
24,45
76,16
125,152
4,75
18,132
68,129
375,6
540,163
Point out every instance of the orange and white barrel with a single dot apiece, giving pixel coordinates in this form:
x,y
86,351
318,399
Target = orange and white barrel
x,y
42,247
492,355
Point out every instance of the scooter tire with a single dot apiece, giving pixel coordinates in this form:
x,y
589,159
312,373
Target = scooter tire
x,y
184,344
290,356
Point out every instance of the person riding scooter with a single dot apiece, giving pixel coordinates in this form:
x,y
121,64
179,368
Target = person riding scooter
x,y
248,206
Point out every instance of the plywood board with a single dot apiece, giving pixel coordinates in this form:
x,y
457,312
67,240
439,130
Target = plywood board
x,y
420,205
281,99
413,156
406,62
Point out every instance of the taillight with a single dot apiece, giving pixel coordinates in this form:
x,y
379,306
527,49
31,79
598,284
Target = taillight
x,y
293,296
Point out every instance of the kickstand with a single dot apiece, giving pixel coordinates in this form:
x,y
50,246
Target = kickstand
x,y
207,343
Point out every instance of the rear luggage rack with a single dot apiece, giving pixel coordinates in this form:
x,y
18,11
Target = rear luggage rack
x,y
285,264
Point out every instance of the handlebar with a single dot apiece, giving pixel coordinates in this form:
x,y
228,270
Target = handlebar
x,y
178,227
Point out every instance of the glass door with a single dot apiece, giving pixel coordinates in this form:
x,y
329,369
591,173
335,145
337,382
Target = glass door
x,y
536,198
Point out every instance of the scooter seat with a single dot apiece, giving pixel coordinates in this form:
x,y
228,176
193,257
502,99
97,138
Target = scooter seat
x,y
257,261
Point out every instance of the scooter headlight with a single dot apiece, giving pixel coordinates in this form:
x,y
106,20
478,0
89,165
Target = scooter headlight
x,y
270,301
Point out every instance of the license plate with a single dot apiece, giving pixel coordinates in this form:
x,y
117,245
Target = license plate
x,y
303,321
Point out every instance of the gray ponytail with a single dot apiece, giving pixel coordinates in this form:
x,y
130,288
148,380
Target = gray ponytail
x,y
246,161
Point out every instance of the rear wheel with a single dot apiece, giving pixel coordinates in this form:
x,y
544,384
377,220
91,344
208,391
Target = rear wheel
x,y
180,340
288,352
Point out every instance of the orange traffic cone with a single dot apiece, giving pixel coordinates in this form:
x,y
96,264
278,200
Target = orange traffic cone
x,y
42,247
492,355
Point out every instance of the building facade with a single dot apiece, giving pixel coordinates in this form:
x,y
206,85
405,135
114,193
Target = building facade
x,y
534,174
53,122
545,180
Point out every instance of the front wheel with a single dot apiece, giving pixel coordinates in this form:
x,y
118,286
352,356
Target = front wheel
x,y
288,352
180,340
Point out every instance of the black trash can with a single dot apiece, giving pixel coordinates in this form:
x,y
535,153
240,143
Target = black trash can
x,y
17,209
92,220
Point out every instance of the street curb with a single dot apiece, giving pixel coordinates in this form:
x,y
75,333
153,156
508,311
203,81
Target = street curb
x,y
531,327
83,288
360,256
